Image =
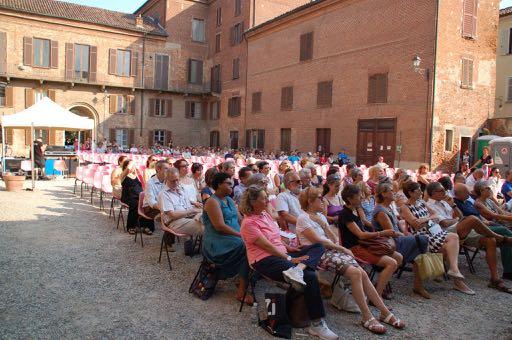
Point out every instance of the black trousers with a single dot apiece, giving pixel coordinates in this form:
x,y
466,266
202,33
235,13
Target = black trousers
x,y
273,267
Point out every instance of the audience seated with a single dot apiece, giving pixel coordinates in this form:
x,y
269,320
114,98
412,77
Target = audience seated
x,y
178,213
207,191
187,182
385,219
332,198
506,189
150,168
197,175
287,204
477,175
374,174
284,166
272,189
115,177
131,188
270,257
243,176
422,177
154,186
305,178
313,227
222,244
422,222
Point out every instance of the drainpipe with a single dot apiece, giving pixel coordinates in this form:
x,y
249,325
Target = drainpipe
x,y
433,85
142,84
246,93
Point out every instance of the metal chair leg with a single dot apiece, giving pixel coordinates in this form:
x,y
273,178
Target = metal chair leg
x,y
137,231
161,247
112,212
92,193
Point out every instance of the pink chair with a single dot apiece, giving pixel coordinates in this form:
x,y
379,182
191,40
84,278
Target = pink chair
x,y
78,176
169,233
141,213
27,166
106,188
88,179
60,165
96,183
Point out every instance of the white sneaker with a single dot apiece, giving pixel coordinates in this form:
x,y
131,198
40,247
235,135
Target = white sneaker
x,y
294,275
322,331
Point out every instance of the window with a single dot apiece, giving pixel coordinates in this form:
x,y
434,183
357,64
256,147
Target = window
x,y
41,52
234,106
219,16
122,104
214,110
214,139
509,90
467,73
378,88
469,12
159,137
2,95
286,140
238,7
160,108
237,32
236,68
324,94
122,137
217,43
448,143
193,110
161,71
233,139
43,134
81,62
195,71
256,102
255,139
198,30
215,79
123,63
306,46
287,98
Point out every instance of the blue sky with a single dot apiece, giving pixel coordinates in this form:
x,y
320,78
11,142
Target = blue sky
x,y
129,6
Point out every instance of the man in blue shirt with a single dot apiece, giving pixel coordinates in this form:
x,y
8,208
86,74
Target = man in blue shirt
x,y
506,188
468,209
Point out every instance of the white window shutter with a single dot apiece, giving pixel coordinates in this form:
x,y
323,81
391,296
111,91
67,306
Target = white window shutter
x,y
504,41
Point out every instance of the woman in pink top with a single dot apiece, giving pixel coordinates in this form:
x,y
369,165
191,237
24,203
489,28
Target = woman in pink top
x,y
270,257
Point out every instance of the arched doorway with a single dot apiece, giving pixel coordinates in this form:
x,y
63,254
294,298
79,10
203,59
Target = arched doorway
x,y
87,111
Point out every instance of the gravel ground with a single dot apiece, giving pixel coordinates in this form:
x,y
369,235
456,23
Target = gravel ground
x,y
66,272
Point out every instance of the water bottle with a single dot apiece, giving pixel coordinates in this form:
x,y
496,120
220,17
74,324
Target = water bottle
x,y
254,314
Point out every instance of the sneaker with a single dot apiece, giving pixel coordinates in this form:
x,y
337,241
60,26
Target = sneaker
x,y
294,275
322,331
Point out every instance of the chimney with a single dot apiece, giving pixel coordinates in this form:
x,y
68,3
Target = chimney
x,y
139,22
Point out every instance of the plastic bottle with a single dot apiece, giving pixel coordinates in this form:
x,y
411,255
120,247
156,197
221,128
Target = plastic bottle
x,y
254,314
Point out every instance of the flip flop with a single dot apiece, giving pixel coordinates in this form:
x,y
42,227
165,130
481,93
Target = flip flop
x,y
500,286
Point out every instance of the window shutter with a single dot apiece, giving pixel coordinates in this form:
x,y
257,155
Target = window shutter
x,y
505,41
9,96
29,98
151,137
199,72
134,64
261,139
289,98
130,104
382,95
468,13
151,108
188,108
54,54
232,35
131,137
283,98
168,108
204,110
372,89
112,135
475,11
509,92
51,94
28,56
9,136
189,67
93,64
3,52
470,73
309,45
467,73
112,103
165,72
27,136
112,61
70,61
248,139
168,137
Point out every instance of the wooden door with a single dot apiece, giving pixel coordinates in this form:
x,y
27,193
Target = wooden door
x,y
323,140
286,140
376,137
233,138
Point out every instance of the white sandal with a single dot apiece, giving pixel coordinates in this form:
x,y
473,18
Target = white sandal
x,y
398,324
377,329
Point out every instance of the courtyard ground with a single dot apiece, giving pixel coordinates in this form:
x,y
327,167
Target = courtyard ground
x,y
66,272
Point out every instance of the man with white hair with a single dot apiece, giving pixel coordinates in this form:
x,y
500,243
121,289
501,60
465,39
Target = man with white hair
x,y
477,175
305,178
177,211
154,186
288,205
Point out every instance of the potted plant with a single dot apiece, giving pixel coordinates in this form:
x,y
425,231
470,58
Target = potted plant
x,y
14,181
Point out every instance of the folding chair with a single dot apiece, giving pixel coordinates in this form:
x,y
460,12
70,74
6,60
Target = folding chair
x,y
254,277
170,233
141,214
120,215
469,253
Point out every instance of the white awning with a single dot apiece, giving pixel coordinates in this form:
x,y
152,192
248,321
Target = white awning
x,y
47,114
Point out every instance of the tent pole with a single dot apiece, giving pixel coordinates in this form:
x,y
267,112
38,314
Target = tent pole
x,y
3,149
32,156
78,148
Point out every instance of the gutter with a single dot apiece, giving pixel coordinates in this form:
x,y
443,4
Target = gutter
x,y
434,85
142,84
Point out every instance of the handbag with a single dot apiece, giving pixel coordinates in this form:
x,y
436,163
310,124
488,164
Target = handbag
x,y
277,322
379,246
430,265
205,281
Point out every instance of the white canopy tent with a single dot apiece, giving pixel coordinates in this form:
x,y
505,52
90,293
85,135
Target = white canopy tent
x,y
45,114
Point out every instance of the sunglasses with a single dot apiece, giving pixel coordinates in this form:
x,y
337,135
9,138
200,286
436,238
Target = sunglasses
x,y
297,181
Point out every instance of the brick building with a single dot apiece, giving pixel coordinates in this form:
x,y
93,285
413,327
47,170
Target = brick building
x,y
336,74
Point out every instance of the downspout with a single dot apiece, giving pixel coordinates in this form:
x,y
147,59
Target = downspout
x,y
434,85
142,84
253,13
246,93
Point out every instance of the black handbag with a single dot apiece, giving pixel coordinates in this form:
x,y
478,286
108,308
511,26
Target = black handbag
x,y
205,281
277,322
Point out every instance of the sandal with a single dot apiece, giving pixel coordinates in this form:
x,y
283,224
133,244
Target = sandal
x,y
374,326
463,289
421,292
131,231
500,286
398,324
148,231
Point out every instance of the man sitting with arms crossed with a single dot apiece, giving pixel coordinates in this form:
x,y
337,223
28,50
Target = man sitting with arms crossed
x,y
288,205
154,186
178,213
471,230
243,175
